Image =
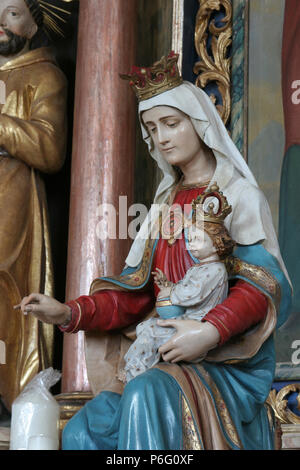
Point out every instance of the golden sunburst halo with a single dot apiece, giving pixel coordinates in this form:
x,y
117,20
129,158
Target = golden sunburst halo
x,y
53,15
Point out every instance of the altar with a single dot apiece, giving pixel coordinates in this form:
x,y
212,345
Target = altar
x,y
244,56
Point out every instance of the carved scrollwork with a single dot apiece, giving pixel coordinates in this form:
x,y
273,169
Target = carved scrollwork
x,y
214,67
279,404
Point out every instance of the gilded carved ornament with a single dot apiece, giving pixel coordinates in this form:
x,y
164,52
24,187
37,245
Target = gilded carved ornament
x,y
215,68
279,404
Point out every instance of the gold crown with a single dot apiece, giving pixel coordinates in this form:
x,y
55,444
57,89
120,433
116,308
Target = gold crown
x,y
47,14
147,82
208,212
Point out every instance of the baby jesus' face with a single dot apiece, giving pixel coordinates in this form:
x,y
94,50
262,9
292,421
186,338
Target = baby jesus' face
x,y
200,244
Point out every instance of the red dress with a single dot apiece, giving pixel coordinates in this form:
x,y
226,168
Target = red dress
x,y
109,310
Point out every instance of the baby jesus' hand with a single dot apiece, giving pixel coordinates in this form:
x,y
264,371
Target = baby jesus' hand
x,y
162,283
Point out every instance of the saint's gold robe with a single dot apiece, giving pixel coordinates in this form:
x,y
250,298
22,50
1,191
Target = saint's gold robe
x,y
33,132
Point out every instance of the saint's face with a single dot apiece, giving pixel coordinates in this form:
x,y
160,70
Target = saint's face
x,y
173,135
16,18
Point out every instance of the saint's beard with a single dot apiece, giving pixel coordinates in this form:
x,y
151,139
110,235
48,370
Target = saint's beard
x,y
13,46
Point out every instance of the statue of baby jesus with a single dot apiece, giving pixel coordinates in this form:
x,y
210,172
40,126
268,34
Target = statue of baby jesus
x,y
204,286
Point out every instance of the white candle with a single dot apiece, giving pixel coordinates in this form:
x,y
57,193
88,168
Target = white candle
x,y
42,442
34,415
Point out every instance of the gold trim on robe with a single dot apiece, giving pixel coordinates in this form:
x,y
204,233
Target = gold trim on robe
x,y
202,414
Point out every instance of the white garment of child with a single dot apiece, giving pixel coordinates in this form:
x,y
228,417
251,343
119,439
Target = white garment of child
x,y
202,288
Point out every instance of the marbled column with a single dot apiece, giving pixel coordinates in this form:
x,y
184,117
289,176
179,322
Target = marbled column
x,y
103,156
239,76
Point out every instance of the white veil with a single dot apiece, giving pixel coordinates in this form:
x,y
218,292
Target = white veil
x,y
209,126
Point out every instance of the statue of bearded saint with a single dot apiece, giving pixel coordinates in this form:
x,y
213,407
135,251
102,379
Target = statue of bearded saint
x,y
32,141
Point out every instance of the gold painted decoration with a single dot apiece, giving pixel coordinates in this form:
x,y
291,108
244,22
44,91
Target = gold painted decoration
x,y
279,403
211,212
135,279
190,437
70,404
215,68
256,274
49,15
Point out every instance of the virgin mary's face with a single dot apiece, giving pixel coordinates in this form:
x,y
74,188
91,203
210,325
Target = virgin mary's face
x,y
173,135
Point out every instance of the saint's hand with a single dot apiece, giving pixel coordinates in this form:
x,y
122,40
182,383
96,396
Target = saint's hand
x,y
192,340
46,309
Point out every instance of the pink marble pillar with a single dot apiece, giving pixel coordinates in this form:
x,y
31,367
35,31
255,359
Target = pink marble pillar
x,y
103,156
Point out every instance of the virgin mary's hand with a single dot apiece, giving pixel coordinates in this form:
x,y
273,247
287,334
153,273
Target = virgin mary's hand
x,y
192,340
45,308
